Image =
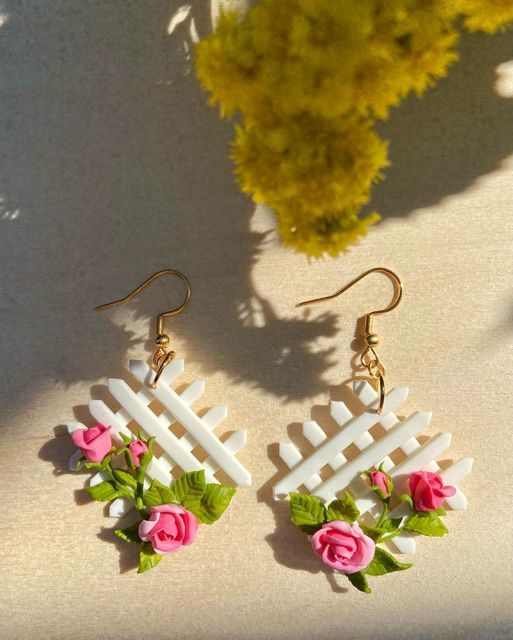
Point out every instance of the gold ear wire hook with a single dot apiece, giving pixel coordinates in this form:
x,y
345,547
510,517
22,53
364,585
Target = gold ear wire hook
x,y
162,356
369,358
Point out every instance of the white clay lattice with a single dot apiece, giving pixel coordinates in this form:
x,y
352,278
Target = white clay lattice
x,y
355,430
177,451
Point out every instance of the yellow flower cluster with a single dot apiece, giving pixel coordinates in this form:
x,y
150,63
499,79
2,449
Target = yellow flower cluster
x,y
482,15
310,78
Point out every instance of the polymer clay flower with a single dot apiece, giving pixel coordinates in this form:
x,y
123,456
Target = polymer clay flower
x,y
94,442
343,546
169,528
428,491
137,448
381,483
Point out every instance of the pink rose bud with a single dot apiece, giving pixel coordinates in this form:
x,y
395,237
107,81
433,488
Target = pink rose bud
x,y
381,481
95,442
137,448
428,491
169,528
343,546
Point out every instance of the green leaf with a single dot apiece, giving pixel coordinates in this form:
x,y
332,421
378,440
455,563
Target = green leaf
x,y
128,458
158,494
384,562
373,532
124,477
378,534
426,523
359,581
103,492
308,512
189,488
126,439
148,558
129,534
98,466
125,491
406,498
343,509
145,459
392,524
213,502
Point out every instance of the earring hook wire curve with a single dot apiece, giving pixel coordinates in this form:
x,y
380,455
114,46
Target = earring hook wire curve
x,y
398,293
165,314
369,358
162,356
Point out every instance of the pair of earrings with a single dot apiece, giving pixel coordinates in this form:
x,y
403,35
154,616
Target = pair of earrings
x,y
380,499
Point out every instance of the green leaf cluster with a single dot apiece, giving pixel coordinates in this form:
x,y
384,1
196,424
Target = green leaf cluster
x,y
309,512
121,483
207,501
387,529
126,483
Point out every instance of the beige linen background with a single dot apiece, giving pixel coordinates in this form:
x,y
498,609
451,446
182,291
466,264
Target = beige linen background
x,y
112,167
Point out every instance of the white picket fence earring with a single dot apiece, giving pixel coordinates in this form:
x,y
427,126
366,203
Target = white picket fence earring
x,y
361,506
129,473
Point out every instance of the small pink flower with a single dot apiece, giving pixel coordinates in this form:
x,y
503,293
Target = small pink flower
x,y
381,481
343,546
428,491
137,448
169,528
95,442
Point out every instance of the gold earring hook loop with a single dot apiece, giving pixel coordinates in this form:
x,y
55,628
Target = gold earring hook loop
x,y
369,358
162,356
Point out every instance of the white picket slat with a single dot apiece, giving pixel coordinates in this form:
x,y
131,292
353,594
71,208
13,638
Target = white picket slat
x,y
194,425
334,445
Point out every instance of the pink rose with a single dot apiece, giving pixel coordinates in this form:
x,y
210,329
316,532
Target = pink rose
x,y
343,546
95,442
381,481
169,528
428,491
137,448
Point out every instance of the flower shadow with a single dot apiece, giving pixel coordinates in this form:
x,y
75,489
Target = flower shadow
x,y
58,450
128,552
